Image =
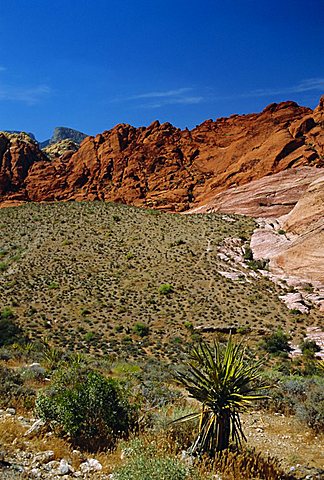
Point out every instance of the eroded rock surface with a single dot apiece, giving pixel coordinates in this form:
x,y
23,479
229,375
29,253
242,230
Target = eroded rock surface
x,y
18,153
270,196
164,167
295,242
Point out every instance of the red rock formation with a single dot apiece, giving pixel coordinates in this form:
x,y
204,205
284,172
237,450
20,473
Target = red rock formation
x,y
163,167
18,152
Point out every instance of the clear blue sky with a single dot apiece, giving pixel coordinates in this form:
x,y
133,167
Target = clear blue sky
x,y
90,64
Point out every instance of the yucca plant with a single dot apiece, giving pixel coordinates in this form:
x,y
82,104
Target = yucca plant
x,y
225,384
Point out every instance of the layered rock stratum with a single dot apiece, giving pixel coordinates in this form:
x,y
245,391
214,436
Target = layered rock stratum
x,y
163,167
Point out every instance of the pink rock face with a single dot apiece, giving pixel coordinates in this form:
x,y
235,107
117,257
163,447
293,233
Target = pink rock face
x,y
163,167
295,242
270,196
304,257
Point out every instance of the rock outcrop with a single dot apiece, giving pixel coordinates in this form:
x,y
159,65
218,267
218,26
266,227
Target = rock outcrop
x,y
65,147
164,167
18,153
294,242
304,257
64,133
271,196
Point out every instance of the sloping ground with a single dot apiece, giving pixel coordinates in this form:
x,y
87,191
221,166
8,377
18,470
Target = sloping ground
x,y
163,167
83,274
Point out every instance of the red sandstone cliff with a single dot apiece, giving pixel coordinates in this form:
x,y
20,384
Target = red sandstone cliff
x,y
164,167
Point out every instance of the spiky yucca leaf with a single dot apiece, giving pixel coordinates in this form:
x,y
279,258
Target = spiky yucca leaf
x,y
225,384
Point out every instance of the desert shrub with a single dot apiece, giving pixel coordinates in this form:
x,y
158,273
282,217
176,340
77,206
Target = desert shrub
x,y
141,329
300,396
248,254
248,464
261,264
277,343
309,348
311,411
143,467
9,331
148,463
13,391
179,434
3,266
89,409
165,289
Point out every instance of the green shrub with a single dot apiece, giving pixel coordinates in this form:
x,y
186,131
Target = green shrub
x,y
146,463
166,289
311,411
9,331
262,264
13,391
90,337
309,348
248,254
189,326
300,396
3,266
6,312
141,329
277,343
91,410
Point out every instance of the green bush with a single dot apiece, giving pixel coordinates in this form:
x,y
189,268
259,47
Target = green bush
x,y
141,329
146,463
9,331
309,348
13,391
91,410
311,411
165,289
300,396
248,254
277,343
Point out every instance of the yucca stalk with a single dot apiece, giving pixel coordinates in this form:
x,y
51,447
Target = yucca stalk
x,y
225,384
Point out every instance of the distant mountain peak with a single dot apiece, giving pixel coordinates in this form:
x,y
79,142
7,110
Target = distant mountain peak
x,y
64,133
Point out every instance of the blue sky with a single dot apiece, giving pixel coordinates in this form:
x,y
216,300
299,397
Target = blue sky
x,y
90,64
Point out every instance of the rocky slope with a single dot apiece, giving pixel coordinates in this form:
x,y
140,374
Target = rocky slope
x,y
31,135
64,147
64,133
304,257
270,196
294,245
164,167
18,153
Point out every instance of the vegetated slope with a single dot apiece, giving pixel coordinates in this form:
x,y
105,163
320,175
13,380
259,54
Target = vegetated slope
x,y
84,274
164,167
